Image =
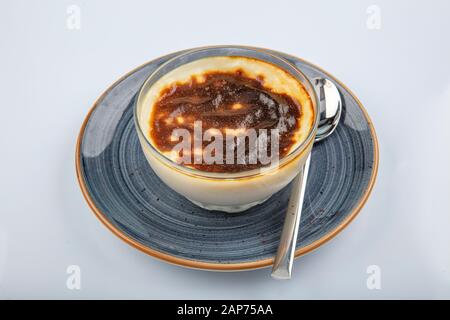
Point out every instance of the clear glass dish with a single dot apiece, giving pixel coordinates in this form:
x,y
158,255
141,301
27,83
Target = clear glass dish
x,y
229,192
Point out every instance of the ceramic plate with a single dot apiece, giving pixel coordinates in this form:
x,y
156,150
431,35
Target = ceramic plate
x,y
127,196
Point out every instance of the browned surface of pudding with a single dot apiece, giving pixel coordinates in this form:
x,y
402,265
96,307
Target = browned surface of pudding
x,y
224,100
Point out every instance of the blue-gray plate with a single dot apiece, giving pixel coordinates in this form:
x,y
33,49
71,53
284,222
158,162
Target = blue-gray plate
x,y
127,196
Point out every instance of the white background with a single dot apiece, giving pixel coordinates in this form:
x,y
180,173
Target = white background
x,y
50,76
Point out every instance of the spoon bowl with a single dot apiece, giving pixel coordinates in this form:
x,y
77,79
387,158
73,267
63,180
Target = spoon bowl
x,y
330,107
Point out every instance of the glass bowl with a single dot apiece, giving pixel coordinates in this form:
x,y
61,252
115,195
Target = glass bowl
x,y
229,192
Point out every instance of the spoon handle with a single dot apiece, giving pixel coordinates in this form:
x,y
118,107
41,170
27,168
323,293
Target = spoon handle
x,y
282,266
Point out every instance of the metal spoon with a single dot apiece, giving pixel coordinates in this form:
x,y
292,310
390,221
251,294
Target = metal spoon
x,y
330,106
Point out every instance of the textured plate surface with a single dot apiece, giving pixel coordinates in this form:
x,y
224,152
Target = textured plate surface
x,y
132,201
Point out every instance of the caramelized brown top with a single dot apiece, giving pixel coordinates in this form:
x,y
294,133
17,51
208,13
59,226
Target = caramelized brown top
x,y
223,101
